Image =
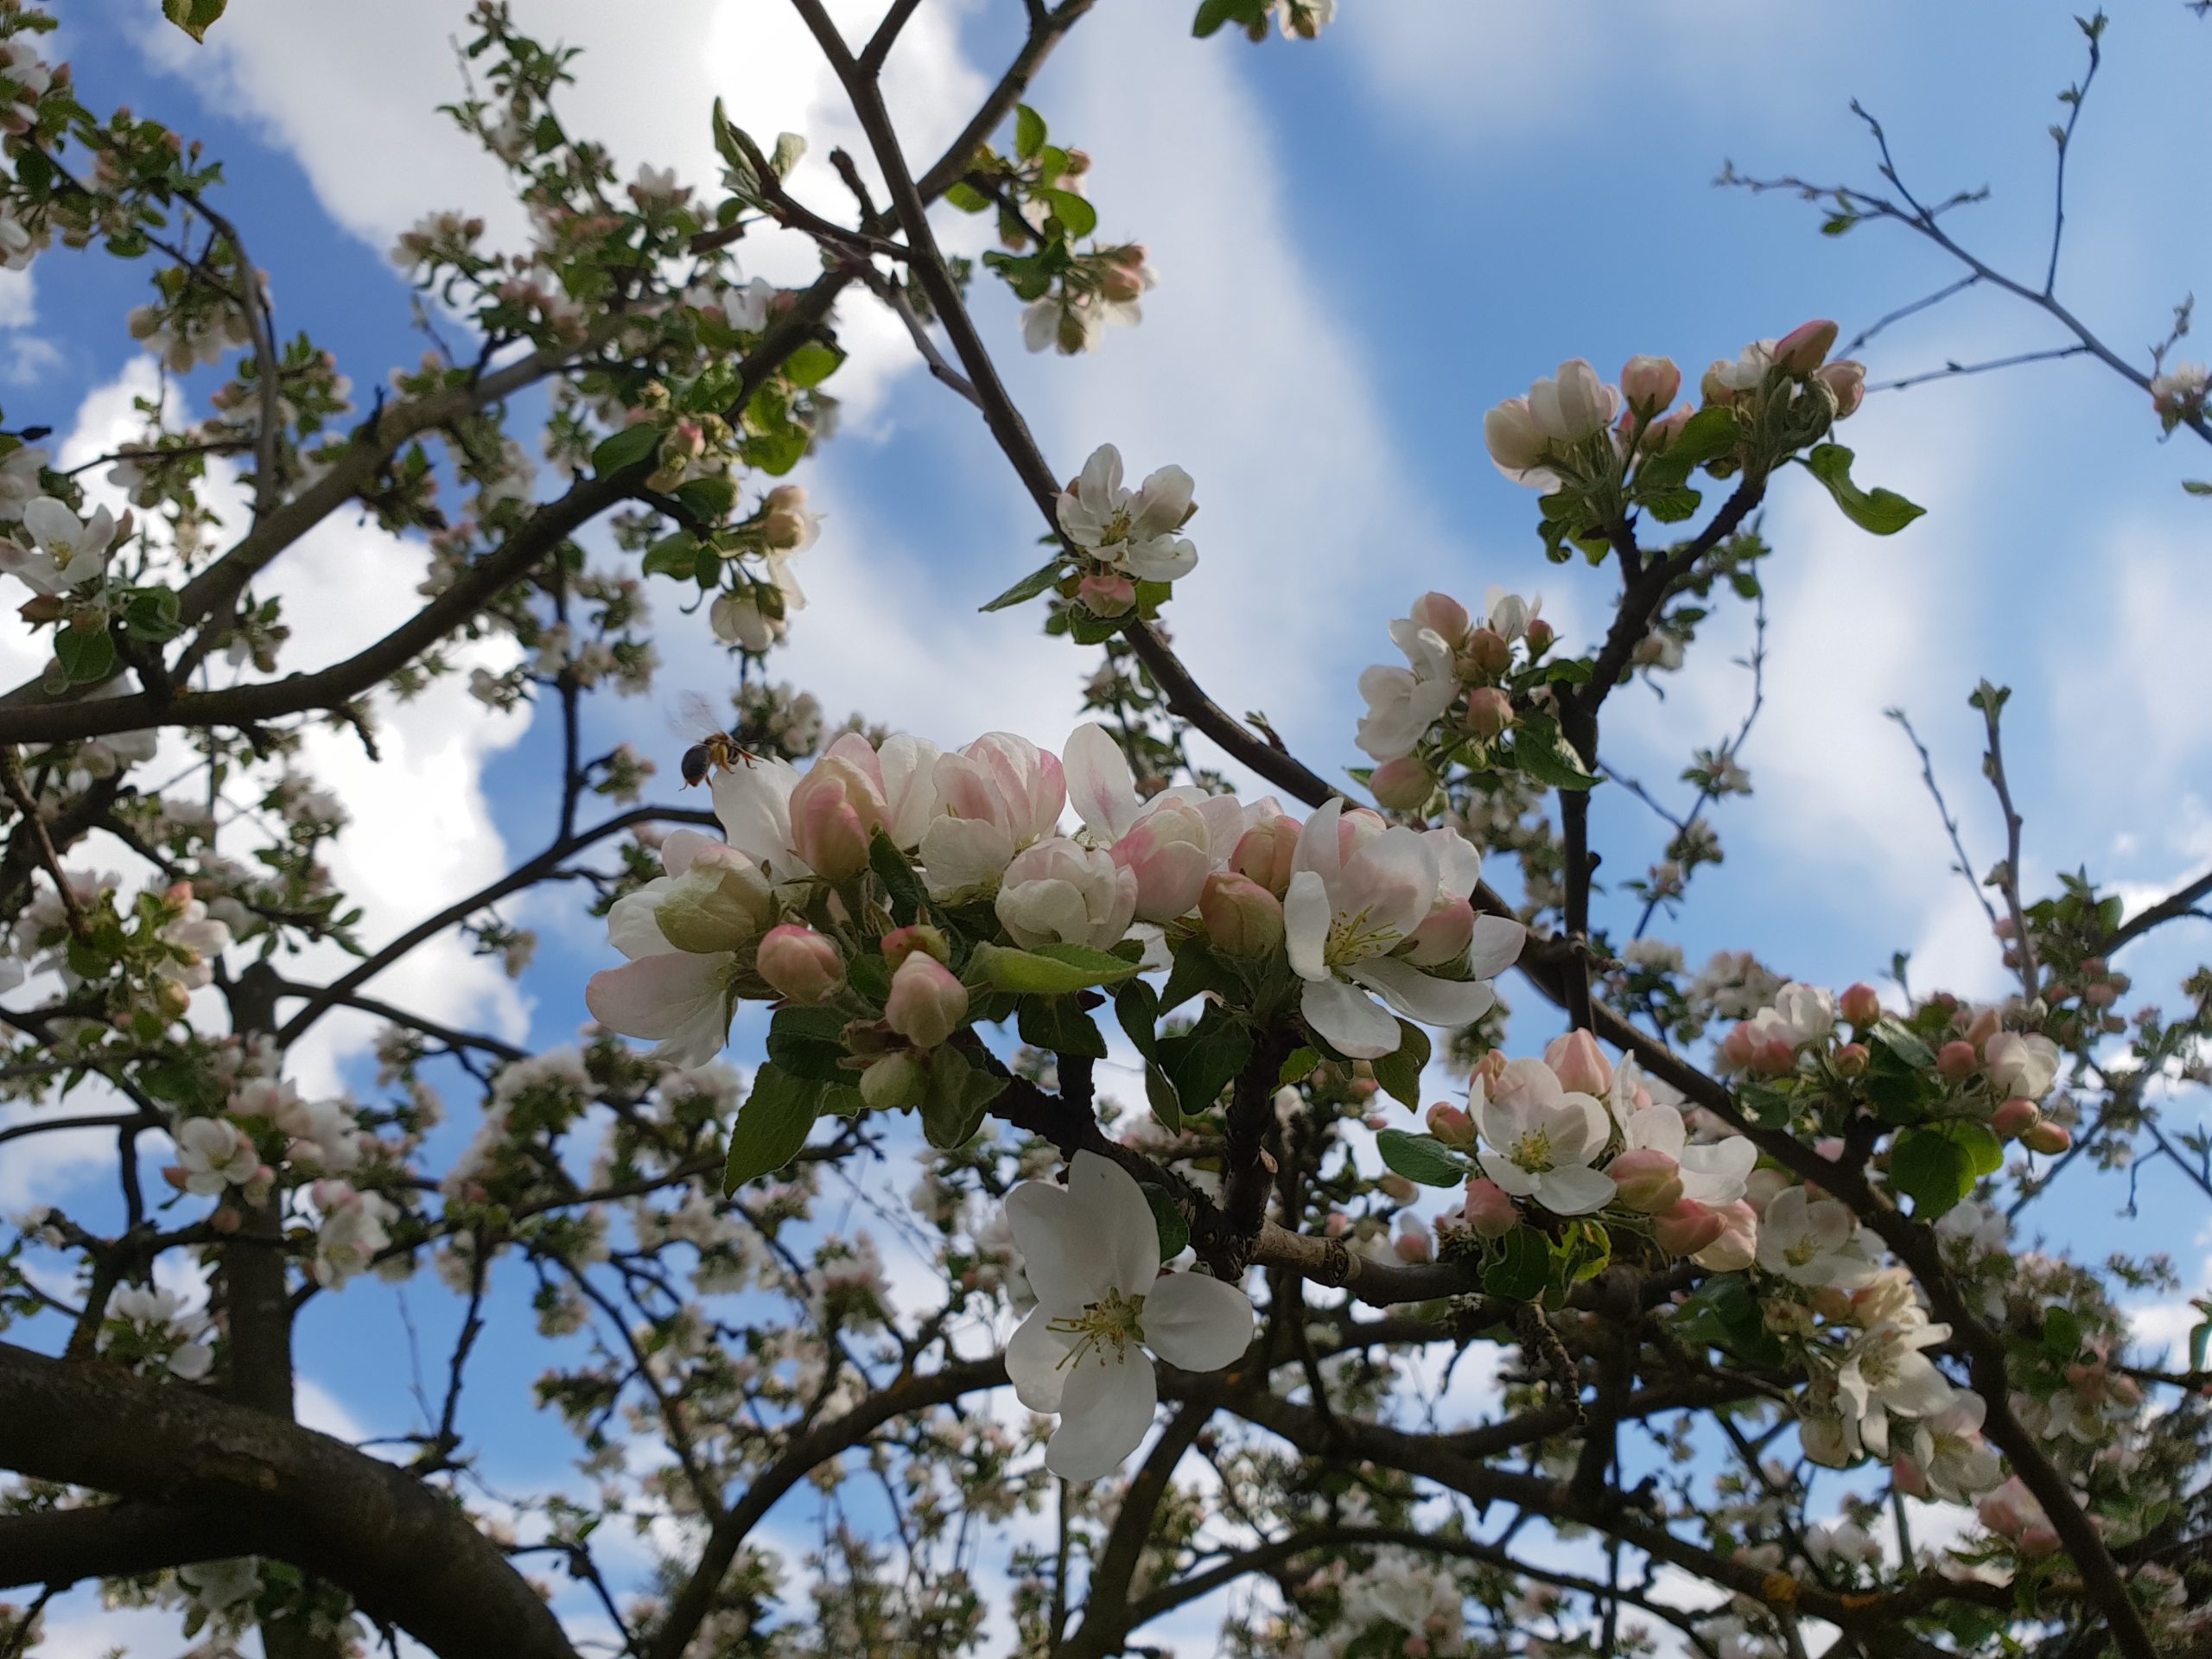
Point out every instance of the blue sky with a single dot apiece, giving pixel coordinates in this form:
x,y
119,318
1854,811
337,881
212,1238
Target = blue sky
x,y
1363,243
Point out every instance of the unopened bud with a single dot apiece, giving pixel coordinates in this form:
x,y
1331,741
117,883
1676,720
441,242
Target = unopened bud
x,y
1444,616
1852,1060
926,1003
784,531
1415,1246
1687,1227
2047,1137
1241,918
1397,1186
1846,382
2015,1118
1265,853
1489,1209
1805,347
902,942
1451,1125
1488,651
1402,785
1648,1181
226,1220
801,964
1579,1064
1539,636
1774,1058
1106,593
1860,1004
1649,384
1957,1061
1489,711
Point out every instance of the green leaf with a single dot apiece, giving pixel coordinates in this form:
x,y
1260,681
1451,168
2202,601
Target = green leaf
x,y
152,614
772,1126
1045,576
1050,969
1523,1267
1706,436
707,500
194,17
870,975
952,1109
1898,1039
86,655
1058,1026
2062,1334
900,882
1932,1169
966,198
1671,506
1298,1065
1985,1153
1582,1252
1202,1062
809,1042
1724,1313
1028,132
1078,217
2200,1338
626,449
1542,752
1160,1095
676,556
1880,512
812,363
1420,1158
1768,1107
1136,1005
2197,485
1174,1232
1399,1071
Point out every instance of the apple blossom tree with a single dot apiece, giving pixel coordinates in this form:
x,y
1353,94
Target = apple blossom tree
x,y
1754,1260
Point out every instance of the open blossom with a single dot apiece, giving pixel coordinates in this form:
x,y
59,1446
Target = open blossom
x,y
1885,1374
159,1314
1711,1174
2021,1063
1170,843
1091,1252
19,485
997,796
1801,1015
352,1233
682,932
67,551
1403,703
1539,1139
214,1153
1948,1459
1057,892
1814,1241
1530,437
1133,530
1360,890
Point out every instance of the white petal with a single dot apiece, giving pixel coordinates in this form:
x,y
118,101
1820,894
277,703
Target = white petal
x,y
676,999
1100,785
1035,1361
1198,1323
1442,1003
1507,1173
1348,1019
754,804
1320,847
1658,1128
1105,1408
1063,1268
1164,558
1305,918
1573,1190
1496,946
1458,865
1715,1174
1113,1223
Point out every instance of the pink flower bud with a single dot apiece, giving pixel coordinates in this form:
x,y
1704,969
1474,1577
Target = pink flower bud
x,y
2047,1137
2038,1540
175,1175
784,498
1120,283
1514,441
2102,995
1738,1048
1853,1059
1648,1181
1805,347
1688,1228
1241,918
1451,1125
1738,1247
1397,1186
903,942
927,1003
226,1220
1774,1058
1957,1061
1108,594
801,964
1489,650
829,829
1489,1209
1846,380
1443,936
1984,1026
1664,433
1539,636
1401,785
1265,853
1649,384
1443,615
1861,1004
2015,1118
1490,710
1413,1246
1579,1064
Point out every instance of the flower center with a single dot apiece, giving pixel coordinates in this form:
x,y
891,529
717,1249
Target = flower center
x,y
1533,1152
1803,1251
1354,938
1116,1322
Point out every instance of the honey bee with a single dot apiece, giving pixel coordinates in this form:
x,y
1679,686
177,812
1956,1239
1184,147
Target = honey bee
x,y
715,750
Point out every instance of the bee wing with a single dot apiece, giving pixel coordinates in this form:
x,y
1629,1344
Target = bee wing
x,y
693,716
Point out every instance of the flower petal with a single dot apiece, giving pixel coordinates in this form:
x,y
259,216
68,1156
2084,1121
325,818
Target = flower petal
x,y
1036,1361
1101,787
1113,1223
1063,1268
1305,918
1496,946
1443,1002
680,1001
1348,1020
1573,1190
1105,1408
1198,1323
754,804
